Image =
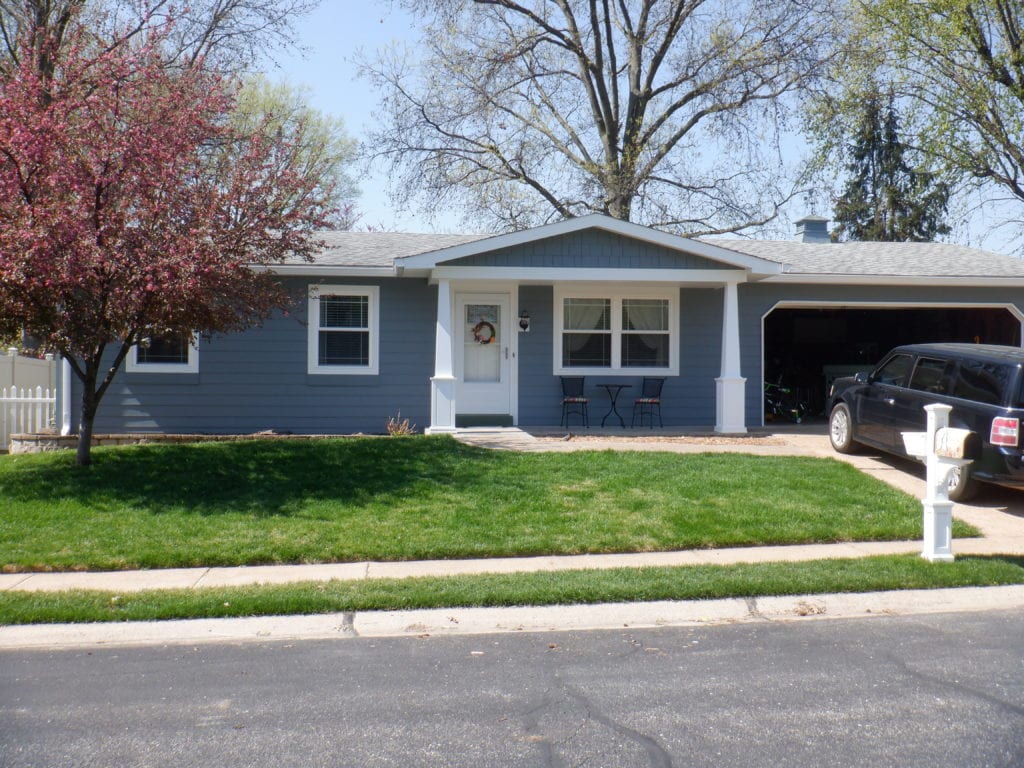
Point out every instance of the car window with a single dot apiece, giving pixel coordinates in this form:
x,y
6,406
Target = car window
x,y
932,375
982,382
1018,401
896,371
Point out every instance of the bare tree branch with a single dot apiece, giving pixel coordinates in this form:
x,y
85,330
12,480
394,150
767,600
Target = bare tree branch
x,y
523,109
228,35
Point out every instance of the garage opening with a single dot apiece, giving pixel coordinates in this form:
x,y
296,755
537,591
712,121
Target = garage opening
x,y
805,348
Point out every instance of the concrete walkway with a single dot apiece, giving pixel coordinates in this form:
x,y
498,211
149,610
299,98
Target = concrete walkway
x,y
997,513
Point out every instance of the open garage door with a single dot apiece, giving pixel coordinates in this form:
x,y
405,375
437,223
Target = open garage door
x,y
806,347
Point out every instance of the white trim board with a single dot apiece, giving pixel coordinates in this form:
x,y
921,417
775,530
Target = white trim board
x,y
314,292
544,275
666,292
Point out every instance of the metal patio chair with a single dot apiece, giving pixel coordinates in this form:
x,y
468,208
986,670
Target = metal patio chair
x,y
574,401
648,402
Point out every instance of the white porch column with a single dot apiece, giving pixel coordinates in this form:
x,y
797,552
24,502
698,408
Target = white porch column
x,y
66,379
730,406
442,383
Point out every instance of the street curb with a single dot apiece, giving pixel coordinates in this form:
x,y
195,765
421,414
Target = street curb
x,y
481,621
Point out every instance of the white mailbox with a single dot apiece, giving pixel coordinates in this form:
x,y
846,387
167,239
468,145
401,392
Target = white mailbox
x,y
943,449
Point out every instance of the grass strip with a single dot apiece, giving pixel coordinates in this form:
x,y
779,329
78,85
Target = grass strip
x,y
549,588
345,500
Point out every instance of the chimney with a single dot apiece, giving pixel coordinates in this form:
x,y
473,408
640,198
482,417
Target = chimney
x,y
813,229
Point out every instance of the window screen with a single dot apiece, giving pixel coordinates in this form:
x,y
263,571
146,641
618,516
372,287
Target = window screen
x,y
645,333
171,348
344,330
586,336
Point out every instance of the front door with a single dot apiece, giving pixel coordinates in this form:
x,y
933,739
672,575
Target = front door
x,y
483,357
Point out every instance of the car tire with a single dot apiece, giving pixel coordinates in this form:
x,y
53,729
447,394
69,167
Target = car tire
x,y
961,485
840,430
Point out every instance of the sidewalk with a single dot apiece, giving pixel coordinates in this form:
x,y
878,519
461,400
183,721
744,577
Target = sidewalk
x,y
998,514
199,578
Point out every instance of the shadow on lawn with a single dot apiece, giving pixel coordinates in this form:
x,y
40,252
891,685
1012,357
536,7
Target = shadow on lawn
x,y
260,477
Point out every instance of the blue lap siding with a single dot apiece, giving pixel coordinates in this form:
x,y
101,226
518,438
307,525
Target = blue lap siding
x,y
258,380
589,250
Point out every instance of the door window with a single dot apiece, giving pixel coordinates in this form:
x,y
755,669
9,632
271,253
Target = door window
x,y
482,343
896,371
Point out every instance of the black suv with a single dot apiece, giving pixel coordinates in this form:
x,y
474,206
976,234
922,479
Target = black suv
x,y
982,382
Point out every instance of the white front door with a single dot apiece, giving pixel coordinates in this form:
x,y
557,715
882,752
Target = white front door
x,y
483,353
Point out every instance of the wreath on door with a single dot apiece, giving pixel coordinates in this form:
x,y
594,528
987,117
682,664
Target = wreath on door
x,y
484,333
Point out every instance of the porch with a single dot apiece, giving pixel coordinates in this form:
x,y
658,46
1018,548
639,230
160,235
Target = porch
x,y
593,297
502,348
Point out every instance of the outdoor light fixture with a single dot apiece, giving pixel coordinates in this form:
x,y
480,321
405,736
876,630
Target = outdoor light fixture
x,y
524,321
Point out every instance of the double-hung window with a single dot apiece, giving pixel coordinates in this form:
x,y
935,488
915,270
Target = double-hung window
x,y
622,331
343,323
163,353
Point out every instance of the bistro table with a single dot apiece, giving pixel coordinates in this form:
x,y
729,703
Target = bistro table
x,y
613,391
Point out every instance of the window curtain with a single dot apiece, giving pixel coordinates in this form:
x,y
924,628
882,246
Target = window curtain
x,y
645,349
586,337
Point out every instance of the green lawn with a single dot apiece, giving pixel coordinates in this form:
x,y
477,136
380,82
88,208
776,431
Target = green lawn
x,y
619,585
419,497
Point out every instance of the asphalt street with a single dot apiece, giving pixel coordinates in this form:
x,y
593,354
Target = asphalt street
x,y
939,689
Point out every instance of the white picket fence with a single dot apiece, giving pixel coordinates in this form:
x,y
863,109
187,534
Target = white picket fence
x,y
25,410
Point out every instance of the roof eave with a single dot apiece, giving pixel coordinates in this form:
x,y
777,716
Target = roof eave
x,y
314,269
959,281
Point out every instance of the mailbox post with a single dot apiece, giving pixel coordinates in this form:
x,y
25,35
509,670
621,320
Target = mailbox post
x,y
943,449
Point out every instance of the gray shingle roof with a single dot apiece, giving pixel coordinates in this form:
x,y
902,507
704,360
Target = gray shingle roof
x,y
896,259
380,249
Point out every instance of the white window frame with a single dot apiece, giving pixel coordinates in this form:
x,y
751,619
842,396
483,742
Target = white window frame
x,y
616,294
372,292
132,364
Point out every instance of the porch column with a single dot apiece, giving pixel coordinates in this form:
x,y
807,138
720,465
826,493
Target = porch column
x,y
442,383
730,406
66,380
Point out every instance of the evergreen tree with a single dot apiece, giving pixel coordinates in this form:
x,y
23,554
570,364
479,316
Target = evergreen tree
x,y
885,198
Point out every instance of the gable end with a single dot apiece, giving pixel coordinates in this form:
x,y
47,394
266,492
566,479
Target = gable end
x,y
590,249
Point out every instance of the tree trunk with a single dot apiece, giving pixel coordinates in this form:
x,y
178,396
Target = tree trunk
x,y
84,455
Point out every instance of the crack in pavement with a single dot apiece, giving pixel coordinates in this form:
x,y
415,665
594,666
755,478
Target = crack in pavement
x,y
658,756
535,734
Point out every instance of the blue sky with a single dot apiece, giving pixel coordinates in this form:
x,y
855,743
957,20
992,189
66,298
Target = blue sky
x,y
332,36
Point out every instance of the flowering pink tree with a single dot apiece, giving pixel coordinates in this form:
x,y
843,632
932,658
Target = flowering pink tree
x,y
128,208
